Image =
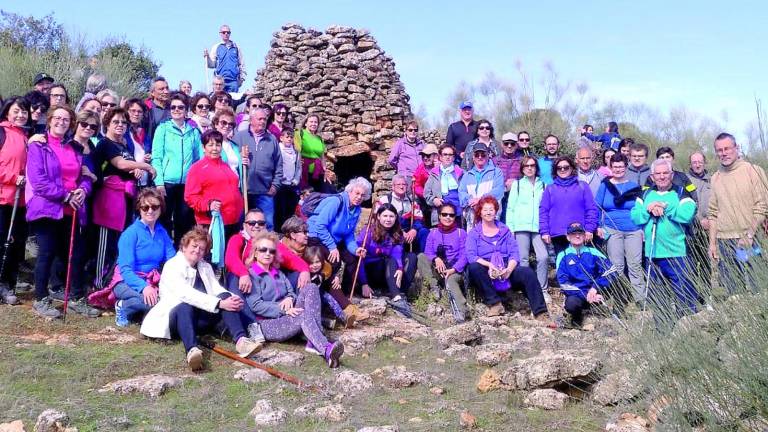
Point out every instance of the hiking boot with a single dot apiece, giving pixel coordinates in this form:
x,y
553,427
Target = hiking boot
x,y
56,295
7,296
349,321
356,312
195,359
246,347
121,318
329,323
255,334
496,310
79,306
310,348
45,308
333,352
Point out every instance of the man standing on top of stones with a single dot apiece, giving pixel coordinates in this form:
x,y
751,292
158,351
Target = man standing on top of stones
x,y
265,170
463,131
227,61
737,209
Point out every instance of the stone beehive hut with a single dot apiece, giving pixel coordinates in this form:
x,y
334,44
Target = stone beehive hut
x,y
343,75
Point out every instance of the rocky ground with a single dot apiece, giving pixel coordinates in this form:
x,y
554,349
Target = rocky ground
x,y
500,373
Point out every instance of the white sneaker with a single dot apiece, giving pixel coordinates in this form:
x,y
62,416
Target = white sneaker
x,y
246,347
195,359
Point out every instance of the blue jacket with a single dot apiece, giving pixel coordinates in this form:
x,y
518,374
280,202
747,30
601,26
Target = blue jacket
x,y
476,184
333,224
582,269
545,169
480,246
564,202
174,152
613,216
608,139
227,61
140,251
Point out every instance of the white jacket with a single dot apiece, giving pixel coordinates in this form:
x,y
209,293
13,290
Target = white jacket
x,y
176,287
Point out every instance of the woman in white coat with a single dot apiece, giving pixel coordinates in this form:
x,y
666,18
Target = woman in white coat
x,y
193,301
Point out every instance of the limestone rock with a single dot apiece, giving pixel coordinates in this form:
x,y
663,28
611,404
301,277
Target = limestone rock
x,y
274,357
616,387
14,426
458,351
466,333
352,383
52,420
252,375
264,414
489,381
359,339
629,422
153,386
399,377
331,413
467,420
548,399
387,428
551,368
493,354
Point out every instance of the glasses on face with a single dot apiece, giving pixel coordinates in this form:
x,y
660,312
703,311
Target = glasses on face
x,y
266,250
448,215
60,119
446,154
484,128
509,143
38,107
412,130
280,113
224,123
178,107
427,156
253,223
563,168
222,99
481,155
530,165
117,122
523,139
135,111
108,104
203,106
92,126
149,207
225,32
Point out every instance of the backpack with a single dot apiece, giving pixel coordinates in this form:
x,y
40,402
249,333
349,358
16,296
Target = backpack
x,y
313,200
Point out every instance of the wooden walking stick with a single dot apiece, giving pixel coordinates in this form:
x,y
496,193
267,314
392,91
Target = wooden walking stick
x,y
68,283
272,371
365,242
412,199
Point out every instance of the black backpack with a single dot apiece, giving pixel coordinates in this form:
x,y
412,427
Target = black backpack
x,y
313,200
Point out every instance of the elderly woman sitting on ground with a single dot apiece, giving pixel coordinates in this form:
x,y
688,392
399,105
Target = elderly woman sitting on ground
x,y
192,301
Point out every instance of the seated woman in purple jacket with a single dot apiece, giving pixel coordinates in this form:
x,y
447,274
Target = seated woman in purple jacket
x,y
385,258
565,201
444,259
56,191
493,262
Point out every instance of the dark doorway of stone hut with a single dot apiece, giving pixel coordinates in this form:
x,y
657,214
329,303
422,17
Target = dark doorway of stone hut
x,y
349,167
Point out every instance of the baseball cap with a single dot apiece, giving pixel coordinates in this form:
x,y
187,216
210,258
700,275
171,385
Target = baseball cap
x,y
465,104
509,136
480,147
429,149
42,76
575,228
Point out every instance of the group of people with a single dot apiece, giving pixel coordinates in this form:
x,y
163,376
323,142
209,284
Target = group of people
x,y
173,204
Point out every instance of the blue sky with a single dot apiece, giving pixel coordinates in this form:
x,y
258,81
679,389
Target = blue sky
x,y
709,56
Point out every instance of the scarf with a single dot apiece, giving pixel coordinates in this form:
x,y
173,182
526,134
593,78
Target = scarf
x,y
447,181
447,229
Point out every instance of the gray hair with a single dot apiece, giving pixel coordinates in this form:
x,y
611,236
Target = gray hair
x,y
658,162
362,183
95,83
399,177
107,92
218,77
293,224
182,82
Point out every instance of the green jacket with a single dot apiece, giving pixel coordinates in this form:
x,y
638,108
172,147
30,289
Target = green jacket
x,y
174,152
523,205
670,227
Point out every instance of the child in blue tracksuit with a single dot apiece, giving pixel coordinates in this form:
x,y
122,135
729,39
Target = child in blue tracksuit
x,y
583,272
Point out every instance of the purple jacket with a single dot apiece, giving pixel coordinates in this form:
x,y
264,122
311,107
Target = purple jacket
x,y
565,201
453,242
44,190
378,251
480,246
509,165
405,158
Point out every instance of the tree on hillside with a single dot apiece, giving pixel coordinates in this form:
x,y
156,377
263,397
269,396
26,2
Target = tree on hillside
x,y
25,33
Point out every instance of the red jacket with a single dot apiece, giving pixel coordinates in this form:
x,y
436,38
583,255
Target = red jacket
x,y
420,177
238,249
290,261
212,179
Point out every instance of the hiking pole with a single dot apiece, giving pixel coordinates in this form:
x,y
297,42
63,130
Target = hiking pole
x,y
205,71
244,175
272,371
360,259
7,245
68,284
413,210
648,273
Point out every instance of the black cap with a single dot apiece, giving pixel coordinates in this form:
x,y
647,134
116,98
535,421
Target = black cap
x,y
575,228
480,147
42,76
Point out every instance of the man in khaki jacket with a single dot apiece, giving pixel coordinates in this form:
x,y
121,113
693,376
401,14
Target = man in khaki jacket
x,y
737,208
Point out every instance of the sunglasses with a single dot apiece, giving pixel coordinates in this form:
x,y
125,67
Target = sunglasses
x,y
178,107
226,123
484,128
92,126
225,32
448,215
412,130
524,139
222,99
447,154
427,156
254,106
118,122
203,106
147,207
39,107
108,104
564,168
281,113
533,165
253,223
481,155
270,251
510,143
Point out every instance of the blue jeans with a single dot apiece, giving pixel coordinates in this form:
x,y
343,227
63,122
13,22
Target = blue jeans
x,y
186,321
133,302
231,85
265,203
233,286
678,292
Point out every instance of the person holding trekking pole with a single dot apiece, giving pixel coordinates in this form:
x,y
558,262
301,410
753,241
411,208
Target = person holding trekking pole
x,y
668,210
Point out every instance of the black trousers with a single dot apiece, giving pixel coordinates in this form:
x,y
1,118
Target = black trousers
x,y
522,277
178,217
383,270
348,258
186,321
286,199
15,253
53,241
